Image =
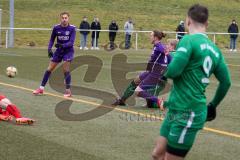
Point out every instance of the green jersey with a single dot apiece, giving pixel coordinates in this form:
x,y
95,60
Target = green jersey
x,y
172,53
196,58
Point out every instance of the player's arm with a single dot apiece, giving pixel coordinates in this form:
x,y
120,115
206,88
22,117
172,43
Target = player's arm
x,y
180,60
52,39
70,43
51,42
223,76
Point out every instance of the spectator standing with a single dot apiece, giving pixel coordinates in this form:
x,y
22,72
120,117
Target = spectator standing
x,y
113,27
84,25
128,27
95,26
180,28
233,28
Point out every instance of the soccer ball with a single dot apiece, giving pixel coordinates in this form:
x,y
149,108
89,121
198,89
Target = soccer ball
x,y
11,71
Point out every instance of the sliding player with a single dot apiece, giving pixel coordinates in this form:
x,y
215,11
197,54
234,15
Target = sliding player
x,y
65,34
8,110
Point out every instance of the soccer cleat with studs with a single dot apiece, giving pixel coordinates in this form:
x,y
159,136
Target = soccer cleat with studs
x,y
67,93
24,120
119,102
38,91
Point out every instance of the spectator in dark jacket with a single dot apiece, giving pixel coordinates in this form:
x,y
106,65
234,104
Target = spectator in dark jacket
x,y
233,28
180,28
113,27
95,34
83,38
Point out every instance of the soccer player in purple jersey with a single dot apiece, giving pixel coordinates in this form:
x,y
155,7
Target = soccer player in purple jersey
x,y
65,34
149,79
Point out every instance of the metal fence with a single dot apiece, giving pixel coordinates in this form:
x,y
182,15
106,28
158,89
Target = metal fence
x,y
137,35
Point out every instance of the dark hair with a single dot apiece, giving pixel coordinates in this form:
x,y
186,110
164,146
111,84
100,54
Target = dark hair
x,y
198,13
159,34
63,13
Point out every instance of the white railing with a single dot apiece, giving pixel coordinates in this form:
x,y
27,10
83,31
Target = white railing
x,y
6,29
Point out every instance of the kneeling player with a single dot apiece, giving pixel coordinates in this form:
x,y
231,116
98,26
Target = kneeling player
x,y
8,110
150,78
155,90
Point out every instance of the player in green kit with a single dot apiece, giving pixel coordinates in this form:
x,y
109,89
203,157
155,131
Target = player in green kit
x,y
195,60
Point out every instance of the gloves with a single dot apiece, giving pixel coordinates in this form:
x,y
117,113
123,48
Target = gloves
x,y
164,78
58,45
50,53
211,112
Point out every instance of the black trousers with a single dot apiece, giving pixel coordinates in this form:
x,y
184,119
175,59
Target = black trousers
x,y
112,39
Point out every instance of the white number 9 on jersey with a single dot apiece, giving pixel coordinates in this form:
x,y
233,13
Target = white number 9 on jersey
x,y
207,65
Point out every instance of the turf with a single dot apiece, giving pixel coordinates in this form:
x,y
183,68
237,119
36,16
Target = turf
x,y
115,135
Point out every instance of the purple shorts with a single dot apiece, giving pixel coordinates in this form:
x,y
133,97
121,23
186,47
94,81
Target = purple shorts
x,y
59,57
148,80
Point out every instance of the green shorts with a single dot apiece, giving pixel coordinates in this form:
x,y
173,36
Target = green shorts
x,y
180,127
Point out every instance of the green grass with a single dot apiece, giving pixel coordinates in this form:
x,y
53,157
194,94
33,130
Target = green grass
x,y
147,15
107,137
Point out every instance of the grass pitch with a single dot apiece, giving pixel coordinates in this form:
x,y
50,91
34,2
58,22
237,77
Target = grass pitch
x,y
119,134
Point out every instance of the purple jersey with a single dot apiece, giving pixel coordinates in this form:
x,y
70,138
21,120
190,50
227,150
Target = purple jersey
x,y
65,36
158,60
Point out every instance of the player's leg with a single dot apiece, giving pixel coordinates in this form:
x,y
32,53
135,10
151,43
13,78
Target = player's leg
x,y
12,110
159,151
183,130
129,91
52,65
169,156
142,89
67,75
9,107
155,91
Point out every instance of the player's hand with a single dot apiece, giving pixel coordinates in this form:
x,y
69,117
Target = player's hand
x,y
211,112
164,78
50,53
58,45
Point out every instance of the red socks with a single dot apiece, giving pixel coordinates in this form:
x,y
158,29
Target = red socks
x,y
14,111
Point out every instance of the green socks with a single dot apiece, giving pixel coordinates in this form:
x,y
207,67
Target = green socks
x,y
129,91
